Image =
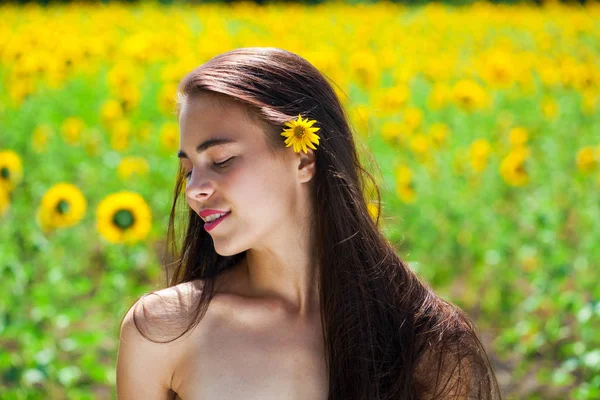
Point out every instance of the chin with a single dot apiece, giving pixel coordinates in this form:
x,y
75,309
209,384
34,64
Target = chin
x,y
224,250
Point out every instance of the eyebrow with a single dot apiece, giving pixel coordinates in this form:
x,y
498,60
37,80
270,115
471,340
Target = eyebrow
x,y
215,141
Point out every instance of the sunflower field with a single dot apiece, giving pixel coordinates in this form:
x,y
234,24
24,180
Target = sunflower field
x,y
483,119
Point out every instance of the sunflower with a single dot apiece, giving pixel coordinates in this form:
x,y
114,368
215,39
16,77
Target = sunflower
x,y
301,134
123,217
518,136
169,136
11,170
479,152
72,129
469,95
438,132
132,165
120,132
61,206
586,159
513,167
405,188
111,111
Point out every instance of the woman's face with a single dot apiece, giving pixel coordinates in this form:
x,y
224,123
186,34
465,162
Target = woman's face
x,y
259,191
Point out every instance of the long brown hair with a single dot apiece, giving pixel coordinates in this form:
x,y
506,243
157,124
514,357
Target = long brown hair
x,y
387,334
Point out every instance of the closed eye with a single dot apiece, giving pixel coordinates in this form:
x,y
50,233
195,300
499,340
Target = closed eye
x,y
221,164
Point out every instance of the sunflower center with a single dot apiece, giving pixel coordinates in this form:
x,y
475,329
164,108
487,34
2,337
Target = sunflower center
x,y
299,131
4,173
123,219
63,207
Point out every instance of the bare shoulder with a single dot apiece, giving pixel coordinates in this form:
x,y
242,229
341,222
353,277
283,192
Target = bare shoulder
x,y
160,312
455,370
149,347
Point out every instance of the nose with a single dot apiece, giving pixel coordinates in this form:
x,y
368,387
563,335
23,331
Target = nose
x,y
199,189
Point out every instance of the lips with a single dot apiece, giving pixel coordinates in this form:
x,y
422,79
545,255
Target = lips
x,y
211,225
207,211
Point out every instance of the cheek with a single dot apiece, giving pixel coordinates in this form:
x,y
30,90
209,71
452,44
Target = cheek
x,y
262,193
192,204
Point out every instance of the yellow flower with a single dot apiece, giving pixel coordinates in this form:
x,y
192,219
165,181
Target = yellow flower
x,y
586,159
513,169
460,158
169,136
20,90
403,175
71,130
406,193
438,133
395,132
40,136
123,217
589,102
498,68
440,67
412,117
132,165
121,74
549,108
479,152
11,170
549,74
389,131
166,98
92,141
300,134
391,99
359,116
420,143
63,205
111,111
4,201
439,96
518,136
364,67
143,131
129,96
404,186
469,95
119,134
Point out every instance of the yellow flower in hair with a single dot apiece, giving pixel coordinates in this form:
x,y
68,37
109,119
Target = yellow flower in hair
x,y
300,134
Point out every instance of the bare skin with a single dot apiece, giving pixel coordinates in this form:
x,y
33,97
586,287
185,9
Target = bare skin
x,y
261,337
251,348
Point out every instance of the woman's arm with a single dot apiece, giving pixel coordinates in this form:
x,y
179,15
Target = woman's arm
x,y
144,368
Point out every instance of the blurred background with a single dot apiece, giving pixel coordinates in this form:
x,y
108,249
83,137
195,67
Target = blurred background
x,y
484,119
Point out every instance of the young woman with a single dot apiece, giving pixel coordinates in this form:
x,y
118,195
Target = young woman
x,y
292,292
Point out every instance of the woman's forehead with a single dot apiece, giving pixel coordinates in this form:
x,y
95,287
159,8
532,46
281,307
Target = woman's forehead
x,y
205,118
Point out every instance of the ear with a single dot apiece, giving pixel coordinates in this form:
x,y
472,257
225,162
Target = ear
x,y
306,168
